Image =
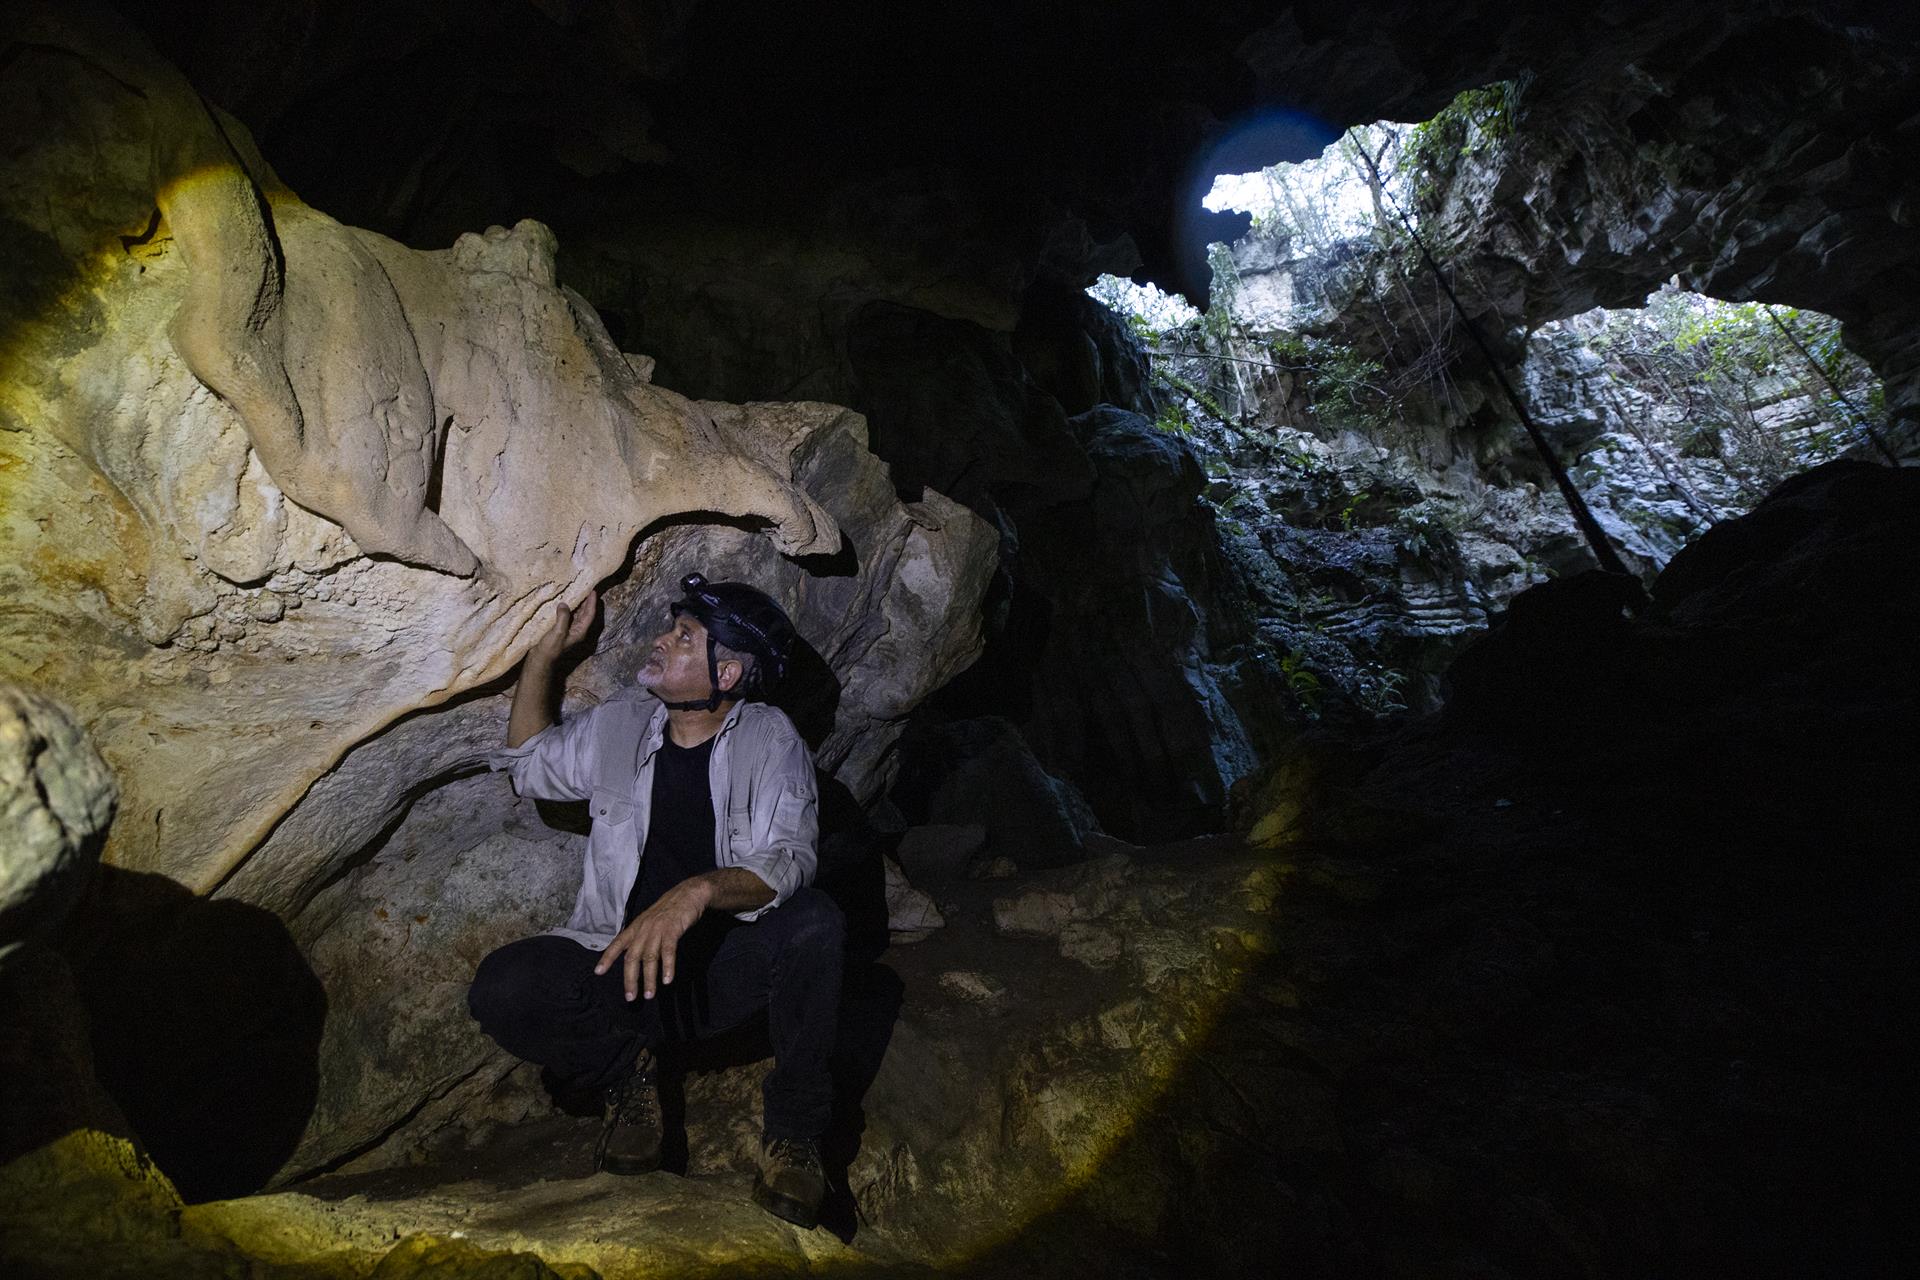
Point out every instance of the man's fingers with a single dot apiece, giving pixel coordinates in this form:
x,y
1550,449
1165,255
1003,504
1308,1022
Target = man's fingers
x,y
650,951
633,973
573,624
611,953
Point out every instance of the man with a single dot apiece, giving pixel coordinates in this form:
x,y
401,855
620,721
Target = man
x,y
697,909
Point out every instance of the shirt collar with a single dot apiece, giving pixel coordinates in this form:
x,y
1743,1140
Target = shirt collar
x,y
657,728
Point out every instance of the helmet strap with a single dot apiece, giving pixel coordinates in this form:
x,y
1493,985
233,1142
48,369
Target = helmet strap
x,y
712,701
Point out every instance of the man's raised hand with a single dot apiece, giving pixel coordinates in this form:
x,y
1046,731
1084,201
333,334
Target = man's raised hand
x,y
570,627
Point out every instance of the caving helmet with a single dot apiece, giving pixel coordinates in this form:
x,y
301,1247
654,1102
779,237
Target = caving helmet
x,y
745,620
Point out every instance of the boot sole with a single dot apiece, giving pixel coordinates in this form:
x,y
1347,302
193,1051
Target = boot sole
x,y
629,1165
785,1207
623,1164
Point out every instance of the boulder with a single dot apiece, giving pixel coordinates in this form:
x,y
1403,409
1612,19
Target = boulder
x,y
56,799
939,852
981,773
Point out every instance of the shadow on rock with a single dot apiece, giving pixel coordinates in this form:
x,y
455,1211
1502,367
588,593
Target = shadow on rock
x,y
810,693
206,1027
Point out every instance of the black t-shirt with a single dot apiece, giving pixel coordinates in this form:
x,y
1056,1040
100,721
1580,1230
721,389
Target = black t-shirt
x,y
680,830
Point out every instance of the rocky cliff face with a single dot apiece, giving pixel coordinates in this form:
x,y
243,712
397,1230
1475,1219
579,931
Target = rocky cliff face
x,y
1413,505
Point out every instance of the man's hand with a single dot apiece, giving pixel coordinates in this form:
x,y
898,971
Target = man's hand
x,y
651,941
569,628
533,692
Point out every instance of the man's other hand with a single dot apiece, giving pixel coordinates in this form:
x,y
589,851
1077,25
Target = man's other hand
x,y
570,627
650,942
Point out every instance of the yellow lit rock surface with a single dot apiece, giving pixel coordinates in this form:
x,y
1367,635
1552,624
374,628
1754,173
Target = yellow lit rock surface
x,y
89,1206
268,482
271,482
279,498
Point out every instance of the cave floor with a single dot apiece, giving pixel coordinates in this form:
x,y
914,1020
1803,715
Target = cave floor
x,y
1483,1029
1479,1027
531,1186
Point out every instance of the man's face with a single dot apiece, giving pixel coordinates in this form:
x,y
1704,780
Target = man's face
x,y
676,670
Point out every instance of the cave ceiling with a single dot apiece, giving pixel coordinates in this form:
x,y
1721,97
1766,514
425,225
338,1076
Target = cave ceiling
x,y
1003,130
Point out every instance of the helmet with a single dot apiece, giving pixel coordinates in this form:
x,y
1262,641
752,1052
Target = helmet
x,y
745,620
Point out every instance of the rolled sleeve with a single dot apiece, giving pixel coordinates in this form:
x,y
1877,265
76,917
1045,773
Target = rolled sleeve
x,y
785,850
556,763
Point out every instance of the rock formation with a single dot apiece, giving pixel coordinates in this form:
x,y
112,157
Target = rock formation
x,y
456,410
273,484
56,798
1485,1016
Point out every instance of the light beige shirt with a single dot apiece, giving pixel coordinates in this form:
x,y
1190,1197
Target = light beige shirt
x,y
766,805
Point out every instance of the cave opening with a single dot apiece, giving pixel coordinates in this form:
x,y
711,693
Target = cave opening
x,y
1262,840
1354,442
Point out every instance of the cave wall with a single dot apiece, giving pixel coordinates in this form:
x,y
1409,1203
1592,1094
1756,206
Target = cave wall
x,y
873,205
285,500
774,204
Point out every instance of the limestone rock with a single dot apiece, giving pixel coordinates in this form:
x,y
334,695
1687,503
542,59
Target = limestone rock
x,y
981,773
938,852
282,496
56,798
252,451
911,914
1150,695
429,867
90,1205
972,985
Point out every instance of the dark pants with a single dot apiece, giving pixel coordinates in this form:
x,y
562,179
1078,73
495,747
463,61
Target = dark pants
x,y
540,1000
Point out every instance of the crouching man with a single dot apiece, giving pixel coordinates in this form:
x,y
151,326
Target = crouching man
x,y
696,910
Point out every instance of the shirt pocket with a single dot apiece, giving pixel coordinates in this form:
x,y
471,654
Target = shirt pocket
x,y
610,808
794,821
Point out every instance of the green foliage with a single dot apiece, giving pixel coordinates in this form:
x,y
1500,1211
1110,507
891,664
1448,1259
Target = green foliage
x,y
1291,351
1171,381
1303,684
1348,390
1380,690
1174,418
1223,293
1721,364
1731,339
1475,121
1430,528
1353,505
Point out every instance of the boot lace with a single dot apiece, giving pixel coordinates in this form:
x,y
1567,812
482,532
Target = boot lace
x,y
796,1153
634,1098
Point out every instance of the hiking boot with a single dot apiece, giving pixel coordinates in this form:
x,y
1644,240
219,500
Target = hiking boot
x,y
631,1131
791,1182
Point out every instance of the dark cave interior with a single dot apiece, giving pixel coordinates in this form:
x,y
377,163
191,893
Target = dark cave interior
x,y
1160,962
